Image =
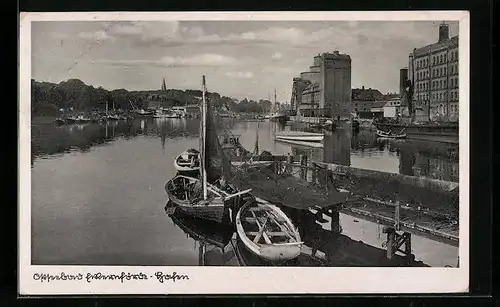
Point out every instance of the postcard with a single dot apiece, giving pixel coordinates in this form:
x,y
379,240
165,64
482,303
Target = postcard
x,y
243,152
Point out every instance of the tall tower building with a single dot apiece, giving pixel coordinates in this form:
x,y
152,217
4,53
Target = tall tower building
x,y
336,84
325,89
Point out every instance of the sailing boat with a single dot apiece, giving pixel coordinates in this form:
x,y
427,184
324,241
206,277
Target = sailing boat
x,y
275,113
209,195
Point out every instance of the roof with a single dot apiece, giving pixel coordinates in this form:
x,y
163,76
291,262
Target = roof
x,y
366,94
388,103
391,96
452,42
379,104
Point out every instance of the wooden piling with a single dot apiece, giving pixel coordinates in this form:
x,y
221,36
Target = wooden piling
x,y
391,238
314,173
408,253
397,215
335,215
303,164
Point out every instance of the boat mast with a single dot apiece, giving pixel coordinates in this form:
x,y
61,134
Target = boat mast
x,y
275,106
203,137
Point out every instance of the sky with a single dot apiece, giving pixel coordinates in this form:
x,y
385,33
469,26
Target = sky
x,y
241,59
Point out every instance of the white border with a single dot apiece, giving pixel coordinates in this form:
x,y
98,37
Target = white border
x,y
239,280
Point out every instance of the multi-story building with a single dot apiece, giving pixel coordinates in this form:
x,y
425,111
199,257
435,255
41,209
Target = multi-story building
x,y
363,100
433,70
324,90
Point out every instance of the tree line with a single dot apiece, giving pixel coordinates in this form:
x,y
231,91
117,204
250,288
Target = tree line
x,y
50,98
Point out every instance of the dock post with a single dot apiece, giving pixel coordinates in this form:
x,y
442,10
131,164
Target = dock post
x,y
289,161
335,221
391,236
303,169
408,254
397,216
314,173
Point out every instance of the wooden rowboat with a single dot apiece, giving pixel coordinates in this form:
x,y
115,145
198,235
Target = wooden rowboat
x,y
188,161
267,232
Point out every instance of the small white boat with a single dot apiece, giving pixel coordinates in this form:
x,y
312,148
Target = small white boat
x,y
300,136
390,135
188,161
302,143
267,232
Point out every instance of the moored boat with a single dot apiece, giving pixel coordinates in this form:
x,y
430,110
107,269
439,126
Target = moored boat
x,y
207,195
390,135
267,231
59,121
188,161
211,203
300,136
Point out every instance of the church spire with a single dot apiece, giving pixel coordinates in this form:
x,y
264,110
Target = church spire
x,y
163,85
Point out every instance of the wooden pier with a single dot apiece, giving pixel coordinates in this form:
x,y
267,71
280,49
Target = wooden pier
x,y
405,205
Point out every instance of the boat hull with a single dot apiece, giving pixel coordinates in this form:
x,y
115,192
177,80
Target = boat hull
x,y
213,209
445,133
301,138
388,136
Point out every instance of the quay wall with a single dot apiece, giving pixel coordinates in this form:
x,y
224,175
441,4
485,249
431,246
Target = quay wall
x,y
426,194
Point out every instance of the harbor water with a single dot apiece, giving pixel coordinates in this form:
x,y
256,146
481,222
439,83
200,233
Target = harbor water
x,y
98,193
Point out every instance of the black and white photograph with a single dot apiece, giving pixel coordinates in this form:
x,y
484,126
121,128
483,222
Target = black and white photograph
x,y
292,152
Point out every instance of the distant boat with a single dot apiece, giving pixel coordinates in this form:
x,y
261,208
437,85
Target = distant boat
x,y
114,117
59,121
143,113
82,119
267,232
390,135
300,136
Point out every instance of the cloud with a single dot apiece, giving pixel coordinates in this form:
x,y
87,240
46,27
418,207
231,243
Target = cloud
x,y
240,75
280,70
277,56
99,35
200,60
58,35
207,59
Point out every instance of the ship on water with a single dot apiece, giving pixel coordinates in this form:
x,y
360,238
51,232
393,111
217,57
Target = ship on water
x,y
276,114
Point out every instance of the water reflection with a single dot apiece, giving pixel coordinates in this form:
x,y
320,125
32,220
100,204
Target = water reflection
x,y
218,245
365,150
49,139
97,206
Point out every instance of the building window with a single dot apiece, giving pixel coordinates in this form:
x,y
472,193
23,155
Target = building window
x,y
445,57
445,71
433,61
444,83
